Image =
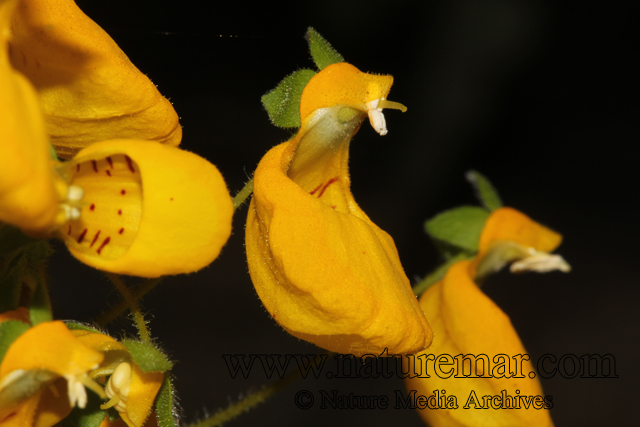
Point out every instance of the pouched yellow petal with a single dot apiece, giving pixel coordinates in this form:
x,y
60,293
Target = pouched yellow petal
x,y
49,346
148,209
508,224
466,322
45,368
347,85
139,390
324,271
28,198
89,90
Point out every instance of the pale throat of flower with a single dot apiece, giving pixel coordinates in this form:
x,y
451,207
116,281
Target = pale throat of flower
x,y
376,118
21,384
523,259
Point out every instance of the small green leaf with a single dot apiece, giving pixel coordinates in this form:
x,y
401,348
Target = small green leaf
x,y
164,405
9,331
147,356
485,191
322,52
283,102
457,230
90,416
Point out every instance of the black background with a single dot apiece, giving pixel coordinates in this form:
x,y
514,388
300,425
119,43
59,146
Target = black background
x,y
539,96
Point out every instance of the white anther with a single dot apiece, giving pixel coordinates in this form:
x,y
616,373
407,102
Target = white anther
x,y
74,214
118,385
376,118
76,392
75,193
541,262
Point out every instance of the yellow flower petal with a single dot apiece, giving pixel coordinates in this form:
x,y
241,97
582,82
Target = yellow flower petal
x,y
90,91
139,390
38,357
148,209
466,322
28,198
324,271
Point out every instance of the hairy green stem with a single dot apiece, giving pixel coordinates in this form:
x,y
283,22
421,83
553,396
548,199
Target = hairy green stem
x,y
133,306
243,194
107,317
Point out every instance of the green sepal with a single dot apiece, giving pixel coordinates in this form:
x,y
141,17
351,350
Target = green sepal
x,y
283,102
90,416
165,406
9,331
75,326
147,356
322,52
485,191
457,230
438,274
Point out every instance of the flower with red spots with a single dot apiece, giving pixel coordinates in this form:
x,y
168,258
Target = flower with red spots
x,y
126,206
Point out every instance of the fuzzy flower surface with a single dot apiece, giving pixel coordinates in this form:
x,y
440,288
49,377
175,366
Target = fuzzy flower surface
x,y
324,271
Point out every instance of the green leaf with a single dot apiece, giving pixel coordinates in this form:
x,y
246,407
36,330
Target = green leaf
x,y
9,331
147,356
457,230
164,404
11,281
90,416
322,52
485,191
283,102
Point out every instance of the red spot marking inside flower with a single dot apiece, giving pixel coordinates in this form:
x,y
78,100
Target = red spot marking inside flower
x,y
105,242
121,231
37,64
315,189
110,162
171,199
69,230
92,207
95,166
333,206
81,236
108,172
78,167
122,192
331,181
94,239
119,211
130,164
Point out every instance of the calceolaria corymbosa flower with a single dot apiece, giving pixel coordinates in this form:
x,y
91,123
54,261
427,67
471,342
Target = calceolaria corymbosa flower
x,y
43,375
321,267
89,90
492,377
125,206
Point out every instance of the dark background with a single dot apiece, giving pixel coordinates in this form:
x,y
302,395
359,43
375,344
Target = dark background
x,y
539,96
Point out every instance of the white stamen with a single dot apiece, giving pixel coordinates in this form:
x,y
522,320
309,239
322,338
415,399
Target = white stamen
x,y
75,193
76,392
541,262
74,214
118,385
376,118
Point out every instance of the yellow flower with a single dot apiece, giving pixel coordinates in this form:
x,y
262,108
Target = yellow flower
x,y
130,391
89,90
125,206
466,322
324,271
28,197
43,375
